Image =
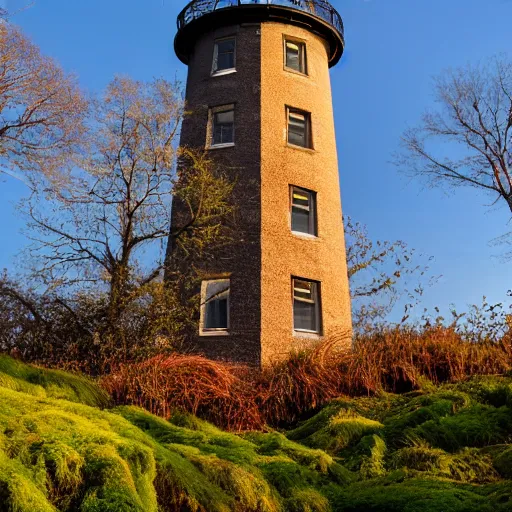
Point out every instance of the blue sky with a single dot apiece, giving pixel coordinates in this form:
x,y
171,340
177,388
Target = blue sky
x,y
381,86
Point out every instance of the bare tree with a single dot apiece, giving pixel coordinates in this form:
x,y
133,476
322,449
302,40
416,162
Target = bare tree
x,y
467,141
381,273
109,226
42,109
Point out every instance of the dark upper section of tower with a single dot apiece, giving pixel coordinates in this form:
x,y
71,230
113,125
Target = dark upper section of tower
x,y
200,16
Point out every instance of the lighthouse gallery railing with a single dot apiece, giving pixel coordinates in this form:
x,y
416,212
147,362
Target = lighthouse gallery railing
x,y
319,8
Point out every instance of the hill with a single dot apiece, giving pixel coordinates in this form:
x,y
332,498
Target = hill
x,y
62,447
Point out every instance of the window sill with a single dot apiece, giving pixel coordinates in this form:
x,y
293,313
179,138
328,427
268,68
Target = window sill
x,y
224,72
297,333
222,146
295,72
307,236
300,148
223,332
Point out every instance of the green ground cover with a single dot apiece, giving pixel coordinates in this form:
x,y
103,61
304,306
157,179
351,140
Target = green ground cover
x,y
63,448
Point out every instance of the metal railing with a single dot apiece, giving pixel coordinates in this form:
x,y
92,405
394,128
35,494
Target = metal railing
x,y
319,8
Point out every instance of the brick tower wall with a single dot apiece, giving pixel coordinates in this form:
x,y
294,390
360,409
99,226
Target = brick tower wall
x,y
242,163
263,166
285,254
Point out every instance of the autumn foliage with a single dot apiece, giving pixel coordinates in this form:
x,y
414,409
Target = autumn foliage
x,y
239,398
42,109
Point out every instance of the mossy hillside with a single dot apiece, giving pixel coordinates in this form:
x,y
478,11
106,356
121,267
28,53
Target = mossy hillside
x,y
423,451
367,458
80,458
402,492
501,457
60,455
469,465
264,472
334,429
43,383
75,455
448,448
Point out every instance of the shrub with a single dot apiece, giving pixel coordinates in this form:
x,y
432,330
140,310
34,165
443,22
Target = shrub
x,y
387,360
214,391
399,359
76,333
301,383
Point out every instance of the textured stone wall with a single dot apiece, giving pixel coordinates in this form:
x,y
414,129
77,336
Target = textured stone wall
x,y
263,262
283,253
242,261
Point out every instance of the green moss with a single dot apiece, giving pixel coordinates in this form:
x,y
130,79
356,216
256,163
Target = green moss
x,y
370,457
18,490
286,476
115,483
428,451
15,384
318,421
499,494
335,432
254,472
64,467
493,391
277,444
80,453
204,436
501,456
469,465
180,485
412,495
410,411
52,383
307,500
476,426
247,486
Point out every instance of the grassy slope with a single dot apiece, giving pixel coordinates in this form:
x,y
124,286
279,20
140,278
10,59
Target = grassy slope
x,y
448,449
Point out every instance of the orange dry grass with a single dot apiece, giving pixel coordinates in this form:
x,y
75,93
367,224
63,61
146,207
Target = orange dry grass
x,y
398,359
300,384
240,398
208,389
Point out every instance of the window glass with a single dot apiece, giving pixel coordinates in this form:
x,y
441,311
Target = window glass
x,y
296,56
306,312
223,130
298,128
221,4
224,55
303,211
215,302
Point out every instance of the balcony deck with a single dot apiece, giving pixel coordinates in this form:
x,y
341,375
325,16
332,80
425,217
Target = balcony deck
x,y
319,15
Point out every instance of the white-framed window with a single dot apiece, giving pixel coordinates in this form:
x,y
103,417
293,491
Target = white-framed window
x,y
224,56
303,211
222,126
306,306
214,307
299,128
295,56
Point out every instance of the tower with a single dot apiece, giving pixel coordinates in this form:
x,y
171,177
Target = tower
x,y
259,96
